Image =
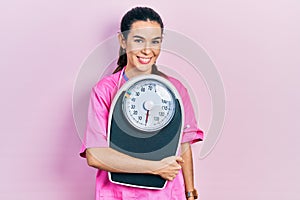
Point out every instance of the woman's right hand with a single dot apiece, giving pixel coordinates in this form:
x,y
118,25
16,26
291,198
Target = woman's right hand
x,y
169,167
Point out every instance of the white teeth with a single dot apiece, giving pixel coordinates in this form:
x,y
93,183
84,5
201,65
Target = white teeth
x,y
145,60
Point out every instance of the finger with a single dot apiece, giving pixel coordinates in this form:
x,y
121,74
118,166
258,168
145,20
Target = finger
x,y
179,159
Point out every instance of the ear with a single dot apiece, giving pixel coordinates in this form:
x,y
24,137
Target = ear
x,y
122,40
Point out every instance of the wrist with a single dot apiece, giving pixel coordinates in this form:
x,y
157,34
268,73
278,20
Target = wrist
x,y
191,194
154,167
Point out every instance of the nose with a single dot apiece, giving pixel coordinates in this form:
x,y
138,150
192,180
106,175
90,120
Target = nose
x,y
147,48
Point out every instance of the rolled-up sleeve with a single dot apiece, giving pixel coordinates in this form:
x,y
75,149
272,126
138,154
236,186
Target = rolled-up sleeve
x,y
191,132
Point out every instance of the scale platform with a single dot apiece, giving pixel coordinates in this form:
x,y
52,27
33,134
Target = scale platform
x,y
144,144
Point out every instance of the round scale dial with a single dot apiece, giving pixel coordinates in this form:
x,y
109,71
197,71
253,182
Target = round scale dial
x,y
148,105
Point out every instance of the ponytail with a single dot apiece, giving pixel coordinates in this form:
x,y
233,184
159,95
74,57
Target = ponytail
x,y
122,61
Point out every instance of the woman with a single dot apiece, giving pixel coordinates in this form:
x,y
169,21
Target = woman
x,y
140,42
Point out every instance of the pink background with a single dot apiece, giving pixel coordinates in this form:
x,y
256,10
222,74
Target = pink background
x,y
255,46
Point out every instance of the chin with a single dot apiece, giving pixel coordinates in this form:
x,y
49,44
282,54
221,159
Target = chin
x,y
144,68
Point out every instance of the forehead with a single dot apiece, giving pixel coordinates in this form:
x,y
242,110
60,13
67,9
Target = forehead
x,y
146,29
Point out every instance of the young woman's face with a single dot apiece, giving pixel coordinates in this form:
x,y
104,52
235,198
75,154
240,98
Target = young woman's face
x,y
143,46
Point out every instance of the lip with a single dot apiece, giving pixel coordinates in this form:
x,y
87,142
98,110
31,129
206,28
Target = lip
x,y
144,60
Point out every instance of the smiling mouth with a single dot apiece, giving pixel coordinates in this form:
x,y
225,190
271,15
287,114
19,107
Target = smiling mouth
x,y
144,60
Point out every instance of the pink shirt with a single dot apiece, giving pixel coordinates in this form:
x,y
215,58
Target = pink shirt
x,y
96,136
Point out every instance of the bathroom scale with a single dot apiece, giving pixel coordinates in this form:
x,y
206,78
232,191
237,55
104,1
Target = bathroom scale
x,y
146,122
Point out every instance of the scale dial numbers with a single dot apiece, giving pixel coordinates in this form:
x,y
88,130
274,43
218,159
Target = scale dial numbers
x,y
148,105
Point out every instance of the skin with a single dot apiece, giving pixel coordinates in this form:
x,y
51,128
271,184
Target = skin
x,y
187,167
143,42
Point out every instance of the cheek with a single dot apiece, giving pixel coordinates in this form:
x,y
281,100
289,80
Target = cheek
x,y
131,56
133,48
156,52
132,52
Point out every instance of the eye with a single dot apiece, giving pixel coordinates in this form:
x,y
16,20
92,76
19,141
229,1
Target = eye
x,y
138,41
155,41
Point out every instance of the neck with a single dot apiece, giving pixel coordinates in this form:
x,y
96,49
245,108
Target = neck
x,y
133,71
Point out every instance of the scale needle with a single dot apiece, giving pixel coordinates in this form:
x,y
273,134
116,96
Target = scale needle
x,y
147,115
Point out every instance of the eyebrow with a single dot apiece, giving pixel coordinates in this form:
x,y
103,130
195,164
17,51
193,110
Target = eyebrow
x,y
140,37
